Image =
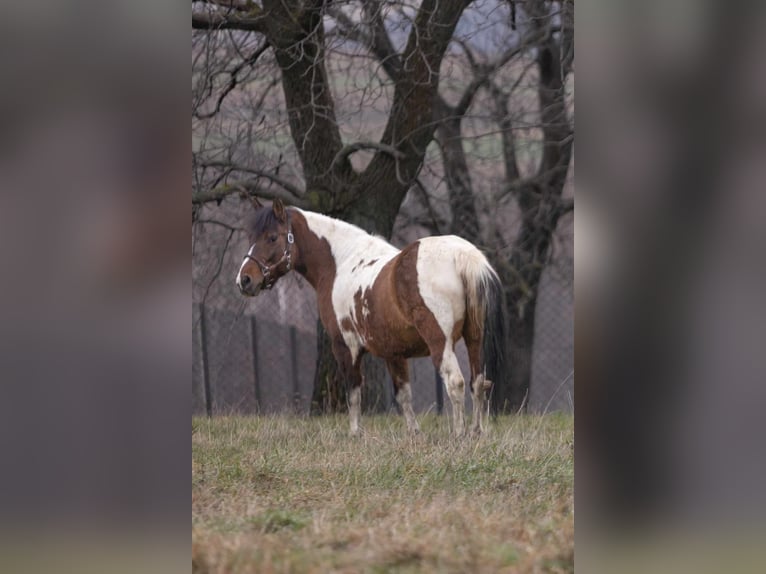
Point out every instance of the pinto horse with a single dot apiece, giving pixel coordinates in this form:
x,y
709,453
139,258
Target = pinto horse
x,y
394,303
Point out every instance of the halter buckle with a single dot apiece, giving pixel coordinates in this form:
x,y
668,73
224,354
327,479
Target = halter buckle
x,y
290,237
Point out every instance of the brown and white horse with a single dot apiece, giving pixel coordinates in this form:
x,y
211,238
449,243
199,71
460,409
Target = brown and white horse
x,y
395,304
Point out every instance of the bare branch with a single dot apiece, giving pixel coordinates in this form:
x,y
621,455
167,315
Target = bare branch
x,y
347,150
566,205
233,80
218,223
467,98
247,187
416,91
220,21
240,5
506,133
381,42
567,37
483,72
219,268
374,37
433,224
228,167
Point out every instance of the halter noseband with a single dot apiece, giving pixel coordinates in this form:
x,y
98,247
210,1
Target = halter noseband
x,y
269,279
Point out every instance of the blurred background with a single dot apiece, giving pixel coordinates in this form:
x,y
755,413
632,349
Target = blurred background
x,y
335,113
95,347
670,463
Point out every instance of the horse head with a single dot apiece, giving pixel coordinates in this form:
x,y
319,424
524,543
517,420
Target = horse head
x,y
271,248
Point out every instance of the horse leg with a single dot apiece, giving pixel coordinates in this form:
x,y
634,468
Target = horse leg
x,y
479,384
401,377
449,369
445,361
350,367
354,403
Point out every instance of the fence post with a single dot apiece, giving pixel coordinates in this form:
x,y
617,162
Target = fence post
x,y
256,374
205,368
439,393
294,368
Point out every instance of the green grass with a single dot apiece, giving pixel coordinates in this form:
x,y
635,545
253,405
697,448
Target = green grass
x,y
291,494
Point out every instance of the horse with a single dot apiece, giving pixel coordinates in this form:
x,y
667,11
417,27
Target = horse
x,y
394,304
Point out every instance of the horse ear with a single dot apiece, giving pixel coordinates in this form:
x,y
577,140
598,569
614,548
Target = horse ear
x,y
279,210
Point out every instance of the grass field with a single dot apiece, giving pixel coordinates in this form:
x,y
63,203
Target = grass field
x,y
292,494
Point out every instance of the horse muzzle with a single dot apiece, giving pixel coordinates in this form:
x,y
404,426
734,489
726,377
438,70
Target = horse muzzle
x,y
248,287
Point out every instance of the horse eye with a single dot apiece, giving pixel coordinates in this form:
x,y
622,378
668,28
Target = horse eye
x,y
272,238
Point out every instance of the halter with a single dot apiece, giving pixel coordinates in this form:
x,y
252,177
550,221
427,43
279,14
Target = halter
x,y
268,279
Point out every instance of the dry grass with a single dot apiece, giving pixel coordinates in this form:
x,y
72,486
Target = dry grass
x,y
290,494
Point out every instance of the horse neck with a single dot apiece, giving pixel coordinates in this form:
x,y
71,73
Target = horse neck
x,y
314,258
325,243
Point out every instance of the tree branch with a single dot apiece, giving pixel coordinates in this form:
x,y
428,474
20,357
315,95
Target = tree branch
x,y
483,72
375,38
567,36
220,265
566,205
409,124
240,5
248,188
219,21
506,133
381,42
347,150
218,223
467,98
436,227
249,61
289,188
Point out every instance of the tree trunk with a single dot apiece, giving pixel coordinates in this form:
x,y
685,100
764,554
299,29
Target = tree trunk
x,y
296,33
514,395
465,222
331,389
329,394
521,276
511,393
376,392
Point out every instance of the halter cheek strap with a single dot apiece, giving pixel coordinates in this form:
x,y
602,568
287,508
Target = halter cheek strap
x,y
268,278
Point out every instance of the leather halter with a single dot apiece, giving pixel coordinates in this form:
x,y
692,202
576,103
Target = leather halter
x,y
269,279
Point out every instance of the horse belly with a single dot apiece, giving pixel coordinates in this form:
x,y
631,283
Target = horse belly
x,y
395,339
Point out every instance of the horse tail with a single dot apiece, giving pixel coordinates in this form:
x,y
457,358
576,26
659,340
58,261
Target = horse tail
x,y
484,300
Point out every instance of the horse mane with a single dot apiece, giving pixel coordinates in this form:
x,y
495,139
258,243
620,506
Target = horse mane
x,y
334,229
